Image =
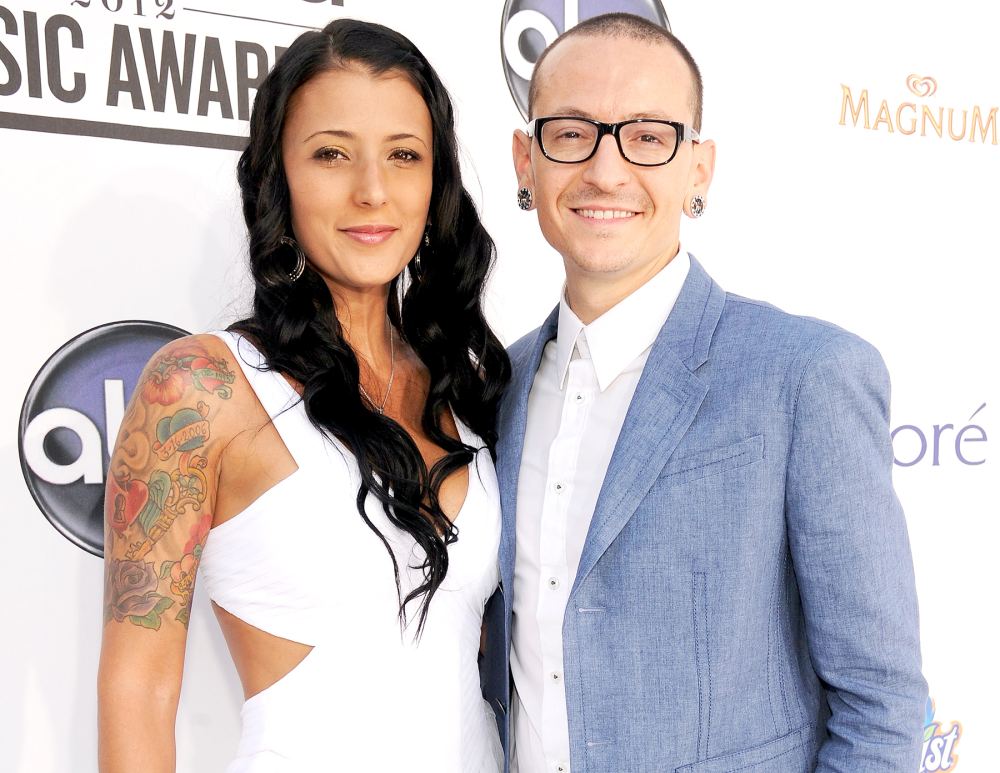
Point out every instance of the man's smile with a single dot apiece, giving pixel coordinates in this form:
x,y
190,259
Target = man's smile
x,y
605,214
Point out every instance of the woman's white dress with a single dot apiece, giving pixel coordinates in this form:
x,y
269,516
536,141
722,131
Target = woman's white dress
x,y
300,563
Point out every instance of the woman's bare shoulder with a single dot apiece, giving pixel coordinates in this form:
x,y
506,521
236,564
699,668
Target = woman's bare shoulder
x,y
201,366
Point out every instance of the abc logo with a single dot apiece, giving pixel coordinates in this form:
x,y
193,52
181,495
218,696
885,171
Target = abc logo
x,y
70,419
529,26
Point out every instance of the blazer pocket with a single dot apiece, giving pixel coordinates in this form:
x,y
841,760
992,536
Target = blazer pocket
x,y
789,754
714,461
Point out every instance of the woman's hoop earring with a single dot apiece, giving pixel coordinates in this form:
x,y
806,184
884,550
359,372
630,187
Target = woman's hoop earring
x,y
524,198
300,259
697,205
416,270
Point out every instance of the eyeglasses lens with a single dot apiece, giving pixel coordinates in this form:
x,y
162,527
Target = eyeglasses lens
x,y
644,142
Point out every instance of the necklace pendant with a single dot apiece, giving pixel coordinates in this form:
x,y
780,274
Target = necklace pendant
x,y
392,373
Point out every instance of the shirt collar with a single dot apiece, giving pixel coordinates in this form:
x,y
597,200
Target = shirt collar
x,y
625,330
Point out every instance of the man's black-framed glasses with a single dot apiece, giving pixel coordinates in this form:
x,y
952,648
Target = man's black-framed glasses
x,y
641,141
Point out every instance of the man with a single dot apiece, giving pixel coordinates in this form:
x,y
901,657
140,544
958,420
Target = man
x,y
705,567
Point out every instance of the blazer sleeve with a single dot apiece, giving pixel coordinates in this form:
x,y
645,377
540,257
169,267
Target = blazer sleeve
x,y
851,555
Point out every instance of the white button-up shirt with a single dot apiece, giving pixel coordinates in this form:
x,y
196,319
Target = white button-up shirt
x,y
576,408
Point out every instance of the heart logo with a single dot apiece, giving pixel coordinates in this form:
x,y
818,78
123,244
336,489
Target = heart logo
x,y
170,425
921,86
204,368
123,503
211,376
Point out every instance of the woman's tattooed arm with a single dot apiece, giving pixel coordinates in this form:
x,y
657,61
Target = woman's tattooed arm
x,y
160,489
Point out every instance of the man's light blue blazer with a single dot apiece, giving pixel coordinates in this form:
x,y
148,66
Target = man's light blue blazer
x,y
745,600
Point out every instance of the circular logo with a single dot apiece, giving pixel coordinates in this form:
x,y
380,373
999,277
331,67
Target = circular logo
x,y
528,26
70,419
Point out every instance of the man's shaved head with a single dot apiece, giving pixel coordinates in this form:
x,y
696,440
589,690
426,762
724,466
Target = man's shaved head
x,y
628,27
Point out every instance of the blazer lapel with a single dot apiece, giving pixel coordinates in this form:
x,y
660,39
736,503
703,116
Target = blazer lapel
x,y
511,425
666,400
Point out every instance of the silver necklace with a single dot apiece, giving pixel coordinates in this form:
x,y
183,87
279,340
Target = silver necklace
x,y
392,372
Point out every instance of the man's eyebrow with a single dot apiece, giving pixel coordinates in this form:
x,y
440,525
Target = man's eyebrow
x,y
571,112
657,114
350,136
574,112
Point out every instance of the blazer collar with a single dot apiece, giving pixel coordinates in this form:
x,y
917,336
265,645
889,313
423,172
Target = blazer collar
x,y
666,400
691,325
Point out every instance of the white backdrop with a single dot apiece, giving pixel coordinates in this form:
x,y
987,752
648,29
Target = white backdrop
x,y
887,232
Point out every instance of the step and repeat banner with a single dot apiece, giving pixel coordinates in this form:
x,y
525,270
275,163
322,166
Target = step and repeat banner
x,y
857,181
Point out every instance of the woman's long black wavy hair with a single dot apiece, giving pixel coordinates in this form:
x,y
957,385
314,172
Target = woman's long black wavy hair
x,y
440,315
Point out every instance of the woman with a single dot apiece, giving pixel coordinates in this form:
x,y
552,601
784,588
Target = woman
x,y
317,464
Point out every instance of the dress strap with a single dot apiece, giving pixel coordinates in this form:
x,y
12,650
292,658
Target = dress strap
x,y
284,405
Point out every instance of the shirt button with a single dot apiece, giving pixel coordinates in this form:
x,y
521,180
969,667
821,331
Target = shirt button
x,y
579,397
558,487
553,582
556,676
562,767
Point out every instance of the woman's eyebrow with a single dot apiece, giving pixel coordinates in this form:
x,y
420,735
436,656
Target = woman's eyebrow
x,y
350,136
335,132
